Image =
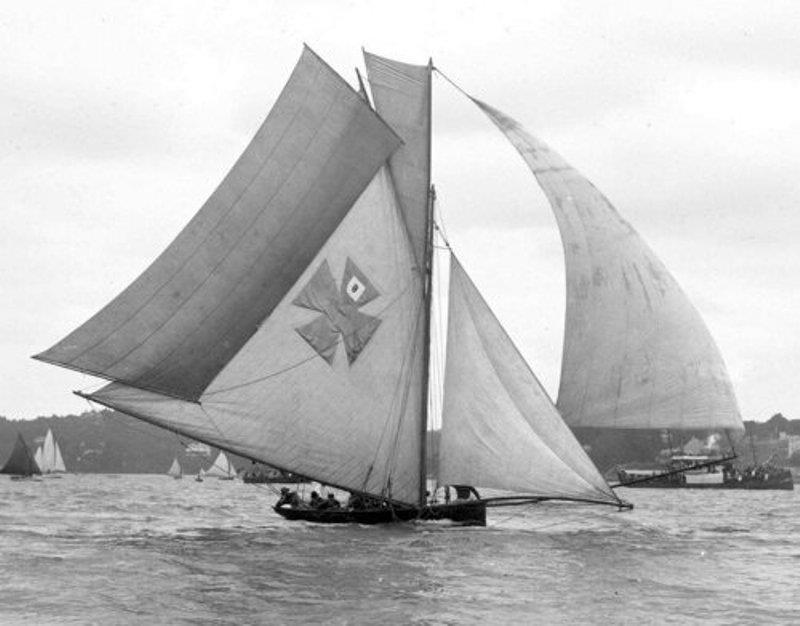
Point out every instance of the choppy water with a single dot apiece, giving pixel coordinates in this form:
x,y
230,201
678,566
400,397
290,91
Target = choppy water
x,y
149,549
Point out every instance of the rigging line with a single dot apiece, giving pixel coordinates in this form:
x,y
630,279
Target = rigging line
x,y
304,361
452,82
223,438
407,360
118,414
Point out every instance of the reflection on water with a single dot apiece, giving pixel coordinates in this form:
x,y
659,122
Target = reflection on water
x,y
152,549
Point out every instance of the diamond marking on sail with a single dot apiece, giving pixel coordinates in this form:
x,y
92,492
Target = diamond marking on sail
x,y
340,315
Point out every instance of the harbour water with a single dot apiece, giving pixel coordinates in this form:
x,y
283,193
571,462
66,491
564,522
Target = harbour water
x,y
150,549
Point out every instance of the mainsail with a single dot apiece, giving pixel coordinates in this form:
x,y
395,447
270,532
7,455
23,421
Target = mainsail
x,y
327,384
175,469
322,387
51,461
499,427
221,468
20,463
636,352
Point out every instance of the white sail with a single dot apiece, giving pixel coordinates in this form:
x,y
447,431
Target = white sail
x,y
499,427
38,457
175,469
182,320
58,461
323,387
221,468
636,352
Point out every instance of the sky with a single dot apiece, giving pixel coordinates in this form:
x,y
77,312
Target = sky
x,y
117,119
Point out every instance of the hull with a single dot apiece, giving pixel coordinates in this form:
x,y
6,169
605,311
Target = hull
x,y
680,481
267,480
466,513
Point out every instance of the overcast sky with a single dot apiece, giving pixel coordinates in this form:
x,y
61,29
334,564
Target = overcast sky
x,y
117,119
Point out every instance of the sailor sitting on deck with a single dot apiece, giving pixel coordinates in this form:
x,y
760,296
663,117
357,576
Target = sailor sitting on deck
x,y
330,503
316,502
289,497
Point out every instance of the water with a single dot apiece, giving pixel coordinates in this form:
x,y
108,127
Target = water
x,y
150,549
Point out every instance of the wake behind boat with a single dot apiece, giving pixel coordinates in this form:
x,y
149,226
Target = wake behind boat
x,y
290,321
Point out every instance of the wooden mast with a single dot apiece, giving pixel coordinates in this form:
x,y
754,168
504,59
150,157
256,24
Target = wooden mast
x,y
427,295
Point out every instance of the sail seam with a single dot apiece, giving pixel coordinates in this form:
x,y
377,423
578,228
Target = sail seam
x,y
212,273
211,231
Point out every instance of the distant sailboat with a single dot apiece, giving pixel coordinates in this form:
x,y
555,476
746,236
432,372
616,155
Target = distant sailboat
x,y
200,475
21,463
175,470
52,463
38,456
290,321
221,468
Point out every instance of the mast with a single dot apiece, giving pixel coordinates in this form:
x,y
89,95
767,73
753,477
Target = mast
x,y
427,282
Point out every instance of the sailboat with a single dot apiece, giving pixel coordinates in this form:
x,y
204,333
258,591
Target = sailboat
x,y
221,468
21,463
175,470
50,462
290,321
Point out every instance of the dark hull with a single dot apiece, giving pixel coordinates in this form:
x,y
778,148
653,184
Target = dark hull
x,y
464,513
279,480
782,482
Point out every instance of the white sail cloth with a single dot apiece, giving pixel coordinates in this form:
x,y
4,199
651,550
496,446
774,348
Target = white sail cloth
x,y
402,95
221,468
50,461
345,412
499,427
175,469
177,325
636,352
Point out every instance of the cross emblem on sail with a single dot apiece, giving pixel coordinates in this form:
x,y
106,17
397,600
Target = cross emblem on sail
x,y
341,318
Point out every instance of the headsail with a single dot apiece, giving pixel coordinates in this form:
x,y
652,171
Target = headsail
x,y
38,457
51,461
636,352
21,462
323,388
499,427
58,460
177,325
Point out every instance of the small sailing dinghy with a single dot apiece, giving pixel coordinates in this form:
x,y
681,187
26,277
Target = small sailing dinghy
x,y
49,457
289,322
222,468
175,470
21,464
